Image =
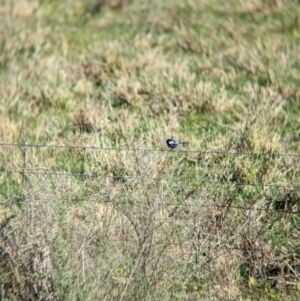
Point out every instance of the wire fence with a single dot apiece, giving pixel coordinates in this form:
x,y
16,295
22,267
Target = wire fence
x,y
195,208
217,152
26,171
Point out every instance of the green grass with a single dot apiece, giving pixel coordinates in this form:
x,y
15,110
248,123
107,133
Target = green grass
x,y
91,223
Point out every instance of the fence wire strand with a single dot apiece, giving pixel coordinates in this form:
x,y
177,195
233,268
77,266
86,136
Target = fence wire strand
x,y
178,151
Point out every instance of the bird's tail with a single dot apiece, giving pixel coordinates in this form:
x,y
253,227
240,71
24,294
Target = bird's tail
x,y
183,142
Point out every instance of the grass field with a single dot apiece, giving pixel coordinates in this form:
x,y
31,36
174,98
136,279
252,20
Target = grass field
x,y
93,205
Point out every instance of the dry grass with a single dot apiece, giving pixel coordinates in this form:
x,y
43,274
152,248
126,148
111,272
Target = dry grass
x,y
144,225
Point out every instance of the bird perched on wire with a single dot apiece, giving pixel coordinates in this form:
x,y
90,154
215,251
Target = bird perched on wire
x,y
171,143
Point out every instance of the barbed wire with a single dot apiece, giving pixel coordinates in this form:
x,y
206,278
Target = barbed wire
x,y
178,151
175,179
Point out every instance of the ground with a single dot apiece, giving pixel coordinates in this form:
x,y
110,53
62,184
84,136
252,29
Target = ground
x,y
94,206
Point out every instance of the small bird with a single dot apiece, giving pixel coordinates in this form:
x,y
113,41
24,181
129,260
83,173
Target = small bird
x,y
171,143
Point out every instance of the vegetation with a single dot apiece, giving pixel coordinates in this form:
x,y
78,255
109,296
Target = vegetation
x,y
93,206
